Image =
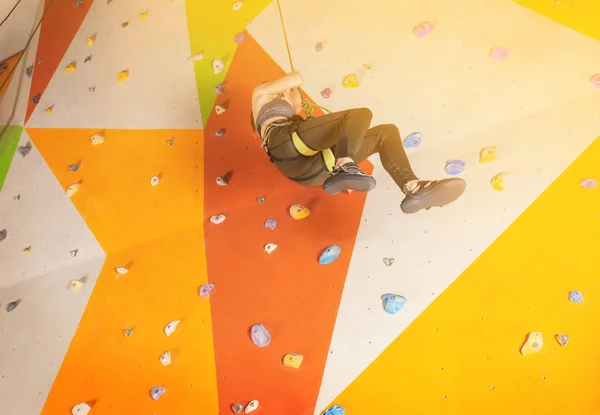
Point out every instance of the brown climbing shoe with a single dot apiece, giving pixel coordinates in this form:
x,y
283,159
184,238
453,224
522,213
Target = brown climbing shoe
x,y
348,177
428,194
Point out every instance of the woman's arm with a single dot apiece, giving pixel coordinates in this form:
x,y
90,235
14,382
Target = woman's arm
x,y
290,81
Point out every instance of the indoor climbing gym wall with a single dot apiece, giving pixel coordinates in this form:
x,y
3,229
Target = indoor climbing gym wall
x,y
153,261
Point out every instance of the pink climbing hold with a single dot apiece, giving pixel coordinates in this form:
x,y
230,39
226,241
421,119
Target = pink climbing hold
x,y
206,290
318,46
423,29
596,80
326,93
499,53
239,38
588,184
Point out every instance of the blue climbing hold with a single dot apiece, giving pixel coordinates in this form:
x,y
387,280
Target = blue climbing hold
x,y
455,167
335,410
271,224
413,140
575,297
330,254
392,303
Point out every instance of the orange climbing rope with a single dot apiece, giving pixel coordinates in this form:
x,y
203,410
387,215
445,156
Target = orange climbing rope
x,y
307,105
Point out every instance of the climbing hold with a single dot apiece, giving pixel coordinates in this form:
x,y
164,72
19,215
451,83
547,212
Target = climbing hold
x,y
562,339
170,328
74,167
218,66
157,391
195,57
122,270
293,360
260,335
330,254
260,200
533,344
575,297
220,88
144,15
78,3
392,303
499,53
217,219
237,5
87,59
299,212
487,154
165,358
17,198
326,93
388,261
24,150
154,180
71,190
269,223
92,88
81,409
335,410
350,81
413,140
71,67
367,66
75,285
36,98
127,332
206,290
3,234
455,167
74,252
49,109
270,247
236,408
318,46
239,38
588,184
251,407
221,132
423,29
220,109
124,24
497,181
595,80
27,250
170,142
29,71
12,305
123,75
221,181
90,40
97,139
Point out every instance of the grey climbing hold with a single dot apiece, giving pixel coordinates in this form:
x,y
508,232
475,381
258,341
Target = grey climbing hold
x,y
12,305
92,88
36,98
74,252
124,24
170,142
221,132
29,71
220,88
87,59
575,296
236,408
260,200
271,224
127,332
388,261
24,150
3,234
562,339
17,198
260,335
74,167
157,391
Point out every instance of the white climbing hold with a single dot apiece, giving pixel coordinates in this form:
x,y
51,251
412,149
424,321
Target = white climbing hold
x,y
252,406
221,181
97,139
81,409
237,5
236,408
217,219
170,328
165,359
122,270
269,248
154,181
220,109
75,285
218,66
71,190
195,57
388,261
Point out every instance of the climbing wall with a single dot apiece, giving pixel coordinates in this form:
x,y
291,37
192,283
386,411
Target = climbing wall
x,y
152,260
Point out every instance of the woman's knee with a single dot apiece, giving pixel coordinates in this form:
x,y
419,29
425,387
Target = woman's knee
x,y
364,114
388,132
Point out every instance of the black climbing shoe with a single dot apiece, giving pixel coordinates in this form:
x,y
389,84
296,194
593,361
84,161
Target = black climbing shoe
x,y
348,177
428,194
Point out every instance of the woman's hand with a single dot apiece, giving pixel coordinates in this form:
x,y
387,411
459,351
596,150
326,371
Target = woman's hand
x,y
294,98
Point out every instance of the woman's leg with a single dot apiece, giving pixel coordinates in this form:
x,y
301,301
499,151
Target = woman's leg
x,y
420,194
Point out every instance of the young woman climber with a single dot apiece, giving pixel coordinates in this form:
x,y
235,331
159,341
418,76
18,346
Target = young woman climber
x,y
326,150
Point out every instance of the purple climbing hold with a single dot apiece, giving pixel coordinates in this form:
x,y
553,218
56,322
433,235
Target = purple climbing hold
x,y
157,391
413,140
455,167
206,289
589,184
271,224
220,88
260,335
326,93
220,133
239,38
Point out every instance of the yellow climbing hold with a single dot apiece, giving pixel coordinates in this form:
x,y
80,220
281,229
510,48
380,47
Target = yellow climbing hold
x,y
367,66
27,250
123,75
299,212
71,190
533,344
97,139
144,15
293,360
497,181
487,154
90,40
71,67
350,81
49,109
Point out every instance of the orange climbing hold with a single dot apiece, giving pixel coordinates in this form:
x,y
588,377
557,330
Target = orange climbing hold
x,y
350,81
